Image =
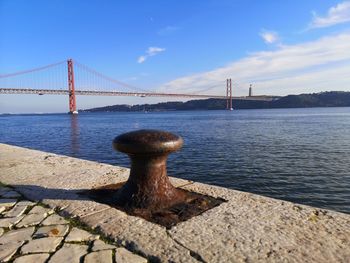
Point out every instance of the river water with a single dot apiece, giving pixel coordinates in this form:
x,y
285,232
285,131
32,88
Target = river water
x,y
300,155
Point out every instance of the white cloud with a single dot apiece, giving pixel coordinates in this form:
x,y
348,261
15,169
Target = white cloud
x,y
167,30
141,59
151,51
154,50
269,37
335,15
314,66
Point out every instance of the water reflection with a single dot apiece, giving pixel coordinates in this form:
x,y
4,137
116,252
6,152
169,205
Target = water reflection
x,y
74,134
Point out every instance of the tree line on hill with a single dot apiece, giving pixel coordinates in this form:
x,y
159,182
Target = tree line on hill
x,y
323,99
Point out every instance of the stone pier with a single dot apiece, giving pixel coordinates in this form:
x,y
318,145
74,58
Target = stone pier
x,y
42,202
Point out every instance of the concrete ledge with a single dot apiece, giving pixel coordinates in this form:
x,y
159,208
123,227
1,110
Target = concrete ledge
x,y
247,228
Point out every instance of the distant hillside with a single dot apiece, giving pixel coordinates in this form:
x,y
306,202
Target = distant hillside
x,y
323,99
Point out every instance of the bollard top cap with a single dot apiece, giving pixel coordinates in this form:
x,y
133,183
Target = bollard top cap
x,y
147,142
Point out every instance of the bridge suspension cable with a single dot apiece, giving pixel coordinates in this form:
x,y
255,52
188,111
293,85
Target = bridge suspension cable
x,y
52,76
32,70
209,88
107,78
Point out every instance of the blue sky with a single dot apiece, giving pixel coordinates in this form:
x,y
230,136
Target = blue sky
x,y
281,47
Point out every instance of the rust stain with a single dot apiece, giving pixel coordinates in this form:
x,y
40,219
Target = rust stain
x,y
54,231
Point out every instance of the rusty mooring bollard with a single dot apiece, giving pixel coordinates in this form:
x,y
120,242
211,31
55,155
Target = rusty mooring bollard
x,y
148,185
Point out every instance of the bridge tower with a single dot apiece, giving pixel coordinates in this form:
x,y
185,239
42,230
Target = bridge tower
x,y
72,101
250,90
229,94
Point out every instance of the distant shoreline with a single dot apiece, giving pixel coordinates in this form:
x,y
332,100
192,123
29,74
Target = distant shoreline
x,y
323,99
158,111
314,100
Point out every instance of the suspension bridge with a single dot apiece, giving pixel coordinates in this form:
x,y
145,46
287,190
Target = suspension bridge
x,y
73,78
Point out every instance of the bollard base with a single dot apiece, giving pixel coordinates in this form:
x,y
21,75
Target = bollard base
x,y
194,205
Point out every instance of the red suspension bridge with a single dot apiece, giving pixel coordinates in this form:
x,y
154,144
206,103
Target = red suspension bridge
x,y
82,80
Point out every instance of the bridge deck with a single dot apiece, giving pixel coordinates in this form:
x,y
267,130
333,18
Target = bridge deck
x,y
132,94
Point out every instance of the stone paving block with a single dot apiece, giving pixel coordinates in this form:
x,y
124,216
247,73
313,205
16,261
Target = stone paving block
x,y
41,245
4,190
52,231
26,203
78,235
104,256
1,231
2,209
254,228
8,222
54,220
83,208
16,211
40,210
178,182
71,253
123,255
7,203
144,236
100,245
8,249
17,235
11,194
34,258
31,220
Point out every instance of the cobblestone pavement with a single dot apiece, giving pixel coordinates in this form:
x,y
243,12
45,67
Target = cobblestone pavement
x,y
32,233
